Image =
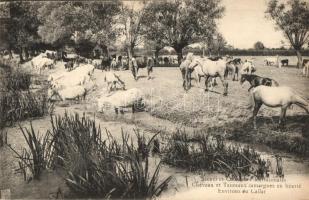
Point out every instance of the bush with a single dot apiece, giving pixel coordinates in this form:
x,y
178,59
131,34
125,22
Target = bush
x,y
103,167
17,102
203,151
38,156
16,106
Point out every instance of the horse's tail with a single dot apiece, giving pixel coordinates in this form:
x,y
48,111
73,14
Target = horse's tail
x,y
275,83
301,102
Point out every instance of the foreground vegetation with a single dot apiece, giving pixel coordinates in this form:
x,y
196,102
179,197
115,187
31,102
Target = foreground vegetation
x,y
97,165
17,101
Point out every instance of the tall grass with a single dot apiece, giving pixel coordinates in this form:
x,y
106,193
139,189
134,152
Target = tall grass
x,y
99,166
203,151
17,101
37,156
16,106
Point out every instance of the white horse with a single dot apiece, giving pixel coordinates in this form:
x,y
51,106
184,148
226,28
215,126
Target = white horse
x,y
211,69
276,97
247,68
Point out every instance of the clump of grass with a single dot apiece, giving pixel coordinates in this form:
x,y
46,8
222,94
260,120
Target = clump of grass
x,y
203,151
38,155
13,78
17,102
102,167
16,106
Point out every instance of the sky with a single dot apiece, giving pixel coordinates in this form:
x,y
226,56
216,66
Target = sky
x,y
244,23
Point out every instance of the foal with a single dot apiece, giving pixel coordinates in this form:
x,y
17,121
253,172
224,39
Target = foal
x,y
256,80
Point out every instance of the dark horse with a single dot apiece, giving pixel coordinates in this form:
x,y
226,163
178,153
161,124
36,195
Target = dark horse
x,y
256,80
142,62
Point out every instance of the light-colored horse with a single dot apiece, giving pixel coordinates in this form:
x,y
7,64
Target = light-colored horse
x,y
247,68
186,71
276,97
211,69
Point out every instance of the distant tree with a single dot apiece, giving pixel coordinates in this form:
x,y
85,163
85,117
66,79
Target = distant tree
x,y
292,18
183,22
22,26
216,44
84,23
132,28
258,45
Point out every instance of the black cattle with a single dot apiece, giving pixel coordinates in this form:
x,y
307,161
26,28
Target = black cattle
x,y
285,62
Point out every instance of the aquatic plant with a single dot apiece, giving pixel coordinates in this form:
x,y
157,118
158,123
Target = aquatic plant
x,y
202,151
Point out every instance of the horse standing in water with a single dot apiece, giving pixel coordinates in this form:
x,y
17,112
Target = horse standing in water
x,y
211,69
256,80
276,97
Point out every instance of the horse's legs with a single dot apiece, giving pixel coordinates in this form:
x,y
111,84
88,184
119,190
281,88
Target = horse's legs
x,y
282,114
225,85
206,82
256,109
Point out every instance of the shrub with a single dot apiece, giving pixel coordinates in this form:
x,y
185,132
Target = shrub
x,y
16,106
38,155
203,151
103,167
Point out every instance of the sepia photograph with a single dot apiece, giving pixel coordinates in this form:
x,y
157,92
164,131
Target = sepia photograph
x,y
154,99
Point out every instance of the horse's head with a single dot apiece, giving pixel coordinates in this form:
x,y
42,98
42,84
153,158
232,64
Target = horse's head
x,y
194,63
243,78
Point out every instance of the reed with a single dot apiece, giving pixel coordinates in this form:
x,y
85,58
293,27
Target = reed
x,y
37,156
203,151
99,166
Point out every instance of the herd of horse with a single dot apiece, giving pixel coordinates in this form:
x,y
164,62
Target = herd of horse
x,y
263,90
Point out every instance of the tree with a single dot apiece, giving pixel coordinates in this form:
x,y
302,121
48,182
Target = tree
x,y
258,45
182,22
22,26
216,43
292,18
84,23
131,21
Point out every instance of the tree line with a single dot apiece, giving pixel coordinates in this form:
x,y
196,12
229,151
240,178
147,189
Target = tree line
x,y
154,24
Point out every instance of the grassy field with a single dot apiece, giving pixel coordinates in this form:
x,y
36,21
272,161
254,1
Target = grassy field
x,y
229,115
169,107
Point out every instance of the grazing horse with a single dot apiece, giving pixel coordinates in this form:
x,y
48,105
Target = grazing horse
x,y
142,62
211,69
186,74
276,97
232,67
256,80
248,68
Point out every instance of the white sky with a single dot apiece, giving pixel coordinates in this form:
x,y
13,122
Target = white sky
x,y
243,23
